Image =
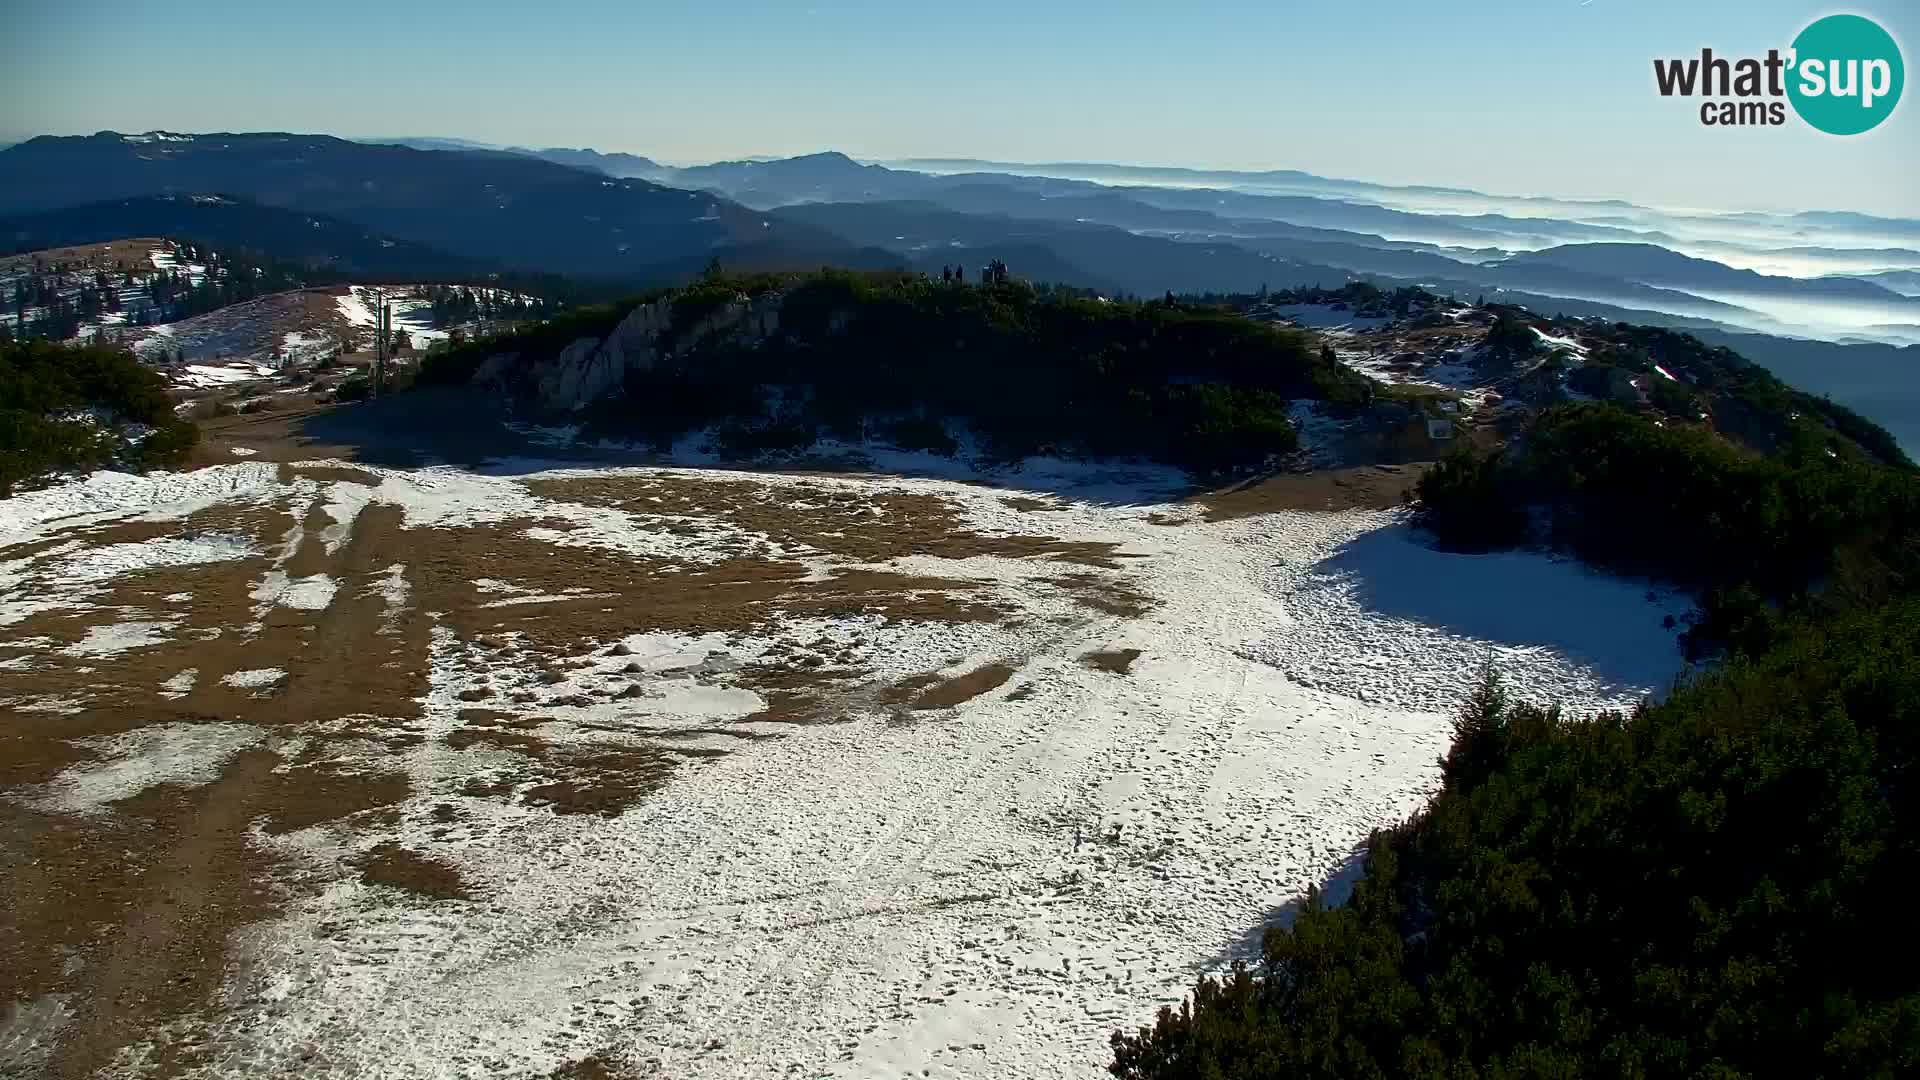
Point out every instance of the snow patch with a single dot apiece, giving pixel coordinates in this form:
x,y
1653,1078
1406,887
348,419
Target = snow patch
x,y
203,375
117,638
180,685
103,563
1552,341
253,679
185,754
308,593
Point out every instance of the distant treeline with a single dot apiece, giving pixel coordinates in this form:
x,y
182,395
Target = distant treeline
x,y
459,305
43,309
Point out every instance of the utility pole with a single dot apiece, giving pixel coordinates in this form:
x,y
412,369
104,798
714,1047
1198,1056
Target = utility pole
x,y
381,314
379,347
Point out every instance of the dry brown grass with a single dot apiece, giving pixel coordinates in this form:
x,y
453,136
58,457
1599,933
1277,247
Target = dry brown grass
x,y
171,870
605,782
1109,596
1363,487
111,255
859,527
144,897
402,868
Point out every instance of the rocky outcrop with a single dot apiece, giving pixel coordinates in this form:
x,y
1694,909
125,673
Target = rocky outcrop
x,y
582,372
589,369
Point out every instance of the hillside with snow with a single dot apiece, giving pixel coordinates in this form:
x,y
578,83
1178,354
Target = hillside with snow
x,y
963,803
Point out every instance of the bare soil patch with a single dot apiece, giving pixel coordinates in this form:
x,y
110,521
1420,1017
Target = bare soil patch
x,y
961,689
909,688
1113,661
606,783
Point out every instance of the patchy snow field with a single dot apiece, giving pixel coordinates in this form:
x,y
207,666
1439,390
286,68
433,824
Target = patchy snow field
x,y
165,258
413,314
711,774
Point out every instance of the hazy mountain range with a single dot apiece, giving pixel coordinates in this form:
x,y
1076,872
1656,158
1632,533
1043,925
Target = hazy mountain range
x,y
513,209
1823,280
1748,270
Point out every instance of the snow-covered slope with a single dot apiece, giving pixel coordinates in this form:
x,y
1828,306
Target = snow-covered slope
x,y
983,887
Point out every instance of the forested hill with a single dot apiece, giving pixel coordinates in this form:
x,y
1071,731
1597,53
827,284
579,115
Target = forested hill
x,y
778,363
1707,886
526,213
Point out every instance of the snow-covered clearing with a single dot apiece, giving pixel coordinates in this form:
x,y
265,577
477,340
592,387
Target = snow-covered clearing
x,y
303,347
223,374
408,312
910,777
167,259
355,306
1453,371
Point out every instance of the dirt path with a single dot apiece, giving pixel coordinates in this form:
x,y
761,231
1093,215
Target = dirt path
x,y
166,957
128,914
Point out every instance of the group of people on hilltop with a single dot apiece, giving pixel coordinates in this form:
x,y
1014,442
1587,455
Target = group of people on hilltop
x,y
994,273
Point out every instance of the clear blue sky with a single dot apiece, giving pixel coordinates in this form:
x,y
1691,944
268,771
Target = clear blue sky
x,y
1520,96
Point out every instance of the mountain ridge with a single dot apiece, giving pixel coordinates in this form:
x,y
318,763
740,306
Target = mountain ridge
x,y
526,212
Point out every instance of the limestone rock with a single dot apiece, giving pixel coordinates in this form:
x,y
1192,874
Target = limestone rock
x,y
590,369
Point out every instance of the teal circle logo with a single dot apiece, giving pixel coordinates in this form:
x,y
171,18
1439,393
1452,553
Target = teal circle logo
x,y
1847,74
